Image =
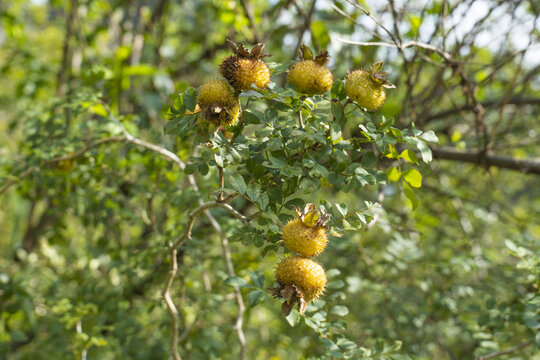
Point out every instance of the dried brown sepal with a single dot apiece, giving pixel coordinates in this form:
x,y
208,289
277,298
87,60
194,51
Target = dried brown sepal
x,y
257,51
292,296
287,307
311,216
322,58
379,76
240,51
288,292
232,45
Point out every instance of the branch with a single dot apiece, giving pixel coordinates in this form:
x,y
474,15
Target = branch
x,y
504,352
63,71
173,269
230,270
378,22
305,27
487,103
77,154
248,12
408,44
71,156
528,166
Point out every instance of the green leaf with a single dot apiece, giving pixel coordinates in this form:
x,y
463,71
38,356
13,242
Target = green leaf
x,y
248,235
255,297
253,191
237,183
318,29
275,162
409,194
338,90
236,281
386,123
339,310
369,159
218,159
309,163
393,174
430,136
413,177
293,318
254,116
190,99
425,151
415,21
258,278
329,344
342,208
263,201
409,156
338,111
336,284
335,132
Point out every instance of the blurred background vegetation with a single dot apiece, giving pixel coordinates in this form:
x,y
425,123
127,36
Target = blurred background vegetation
x,y
82,241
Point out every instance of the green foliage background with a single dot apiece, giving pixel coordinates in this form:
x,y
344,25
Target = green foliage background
x,y
428,259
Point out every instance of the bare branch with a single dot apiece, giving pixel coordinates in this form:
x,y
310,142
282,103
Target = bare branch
x,y
504,352
248,11
305,27
230,271
408,44
378,22
529,166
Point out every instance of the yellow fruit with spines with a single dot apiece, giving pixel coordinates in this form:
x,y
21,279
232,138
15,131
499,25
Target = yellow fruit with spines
x,y
306,234
367,88
307,275
245,68
311,76
218,103
305,240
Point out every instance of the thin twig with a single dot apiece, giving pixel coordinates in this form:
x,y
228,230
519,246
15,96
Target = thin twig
x,y
408,44
378,22
238,294
78,328
504,352
248,11
305,27
173,269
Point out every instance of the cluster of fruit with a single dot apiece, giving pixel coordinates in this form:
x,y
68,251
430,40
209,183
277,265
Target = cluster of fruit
x,y
218,101
300,279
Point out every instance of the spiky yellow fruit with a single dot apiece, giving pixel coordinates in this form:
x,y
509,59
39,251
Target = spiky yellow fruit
x,y
311,77
241,73
307,275
245,68
218,103
303,239
306,234
367,87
